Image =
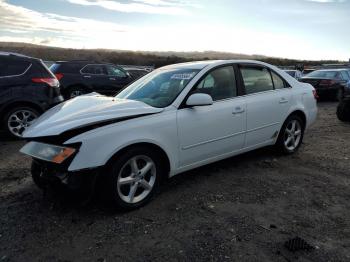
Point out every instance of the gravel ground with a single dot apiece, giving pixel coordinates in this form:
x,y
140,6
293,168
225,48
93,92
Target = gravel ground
x,y
240,209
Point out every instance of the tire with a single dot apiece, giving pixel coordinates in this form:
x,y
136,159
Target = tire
x,y
18,119
343,111
127,190
287,134
76,91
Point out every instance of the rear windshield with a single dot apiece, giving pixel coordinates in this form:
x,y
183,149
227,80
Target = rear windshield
x,y
73,68
325,74
10,68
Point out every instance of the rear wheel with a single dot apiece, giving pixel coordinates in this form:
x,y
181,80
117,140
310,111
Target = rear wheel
x,y
133,177
343,111
18,119
76,91
291,135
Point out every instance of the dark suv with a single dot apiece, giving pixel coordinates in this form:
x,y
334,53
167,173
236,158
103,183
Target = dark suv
x,y
82,77
27,89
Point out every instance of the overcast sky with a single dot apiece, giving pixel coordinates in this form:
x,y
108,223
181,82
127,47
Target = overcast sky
x,y
302,29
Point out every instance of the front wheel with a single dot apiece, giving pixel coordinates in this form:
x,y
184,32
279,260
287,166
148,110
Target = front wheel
x,y
291,135
133,177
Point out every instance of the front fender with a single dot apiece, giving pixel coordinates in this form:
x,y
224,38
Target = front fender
x,y
99,145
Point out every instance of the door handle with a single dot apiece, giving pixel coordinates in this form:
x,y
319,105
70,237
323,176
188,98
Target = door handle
x,y
111,78
283,100
87,76
238,110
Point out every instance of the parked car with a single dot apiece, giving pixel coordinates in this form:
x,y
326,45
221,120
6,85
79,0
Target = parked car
x,y
329,83
27,89
174,119
136,72
308,71
295,73
82,77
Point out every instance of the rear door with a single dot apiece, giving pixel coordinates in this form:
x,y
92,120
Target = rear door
x,y
117,78
96,77
268,100
13,78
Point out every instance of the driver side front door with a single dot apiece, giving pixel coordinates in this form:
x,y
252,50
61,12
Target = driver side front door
x,y
208,133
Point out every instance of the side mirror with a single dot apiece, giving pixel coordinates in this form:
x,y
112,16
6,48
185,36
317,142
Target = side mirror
x,y
199,100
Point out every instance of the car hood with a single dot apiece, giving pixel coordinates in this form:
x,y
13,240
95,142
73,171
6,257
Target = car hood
x,y
85,111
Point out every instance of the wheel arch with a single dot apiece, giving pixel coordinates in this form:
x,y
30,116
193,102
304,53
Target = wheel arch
x,y
67,89
300,114
14,104
162,153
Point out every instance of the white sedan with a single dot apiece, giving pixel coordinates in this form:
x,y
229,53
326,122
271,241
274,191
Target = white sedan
x,y
174,119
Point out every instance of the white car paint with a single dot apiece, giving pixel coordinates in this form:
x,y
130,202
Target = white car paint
x,y
190,137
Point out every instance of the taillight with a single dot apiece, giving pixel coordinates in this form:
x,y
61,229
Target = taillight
x,y
59,76
315,94
327,82
52,82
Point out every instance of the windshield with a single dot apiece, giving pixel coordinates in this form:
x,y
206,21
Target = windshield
x,y
291,73
159,88
324,74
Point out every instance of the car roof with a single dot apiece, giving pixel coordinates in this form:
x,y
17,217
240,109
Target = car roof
x,y
83,62
333,69
18,56
202,64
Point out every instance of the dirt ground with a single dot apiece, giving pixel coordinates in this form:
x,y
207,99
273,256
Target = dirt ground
x,y
240,209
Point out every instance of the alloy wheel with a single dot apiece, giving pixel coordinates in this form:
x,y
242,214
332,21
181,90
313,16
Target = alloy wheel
x,y
20,120
76,93
136,179
292,135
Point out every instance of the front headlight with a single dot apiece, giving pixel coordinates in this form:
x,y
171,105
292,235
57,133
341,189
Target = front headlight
x,y
51,153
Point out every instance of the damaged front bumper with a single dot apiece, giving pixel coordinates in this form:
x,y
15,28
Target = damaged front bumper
x,y
52,176
50,168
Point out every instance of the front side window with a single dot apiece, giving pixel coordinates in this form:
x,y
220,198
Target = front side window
x,y
256,79
115,71
159,88
219,84
13,68
93,70
277,81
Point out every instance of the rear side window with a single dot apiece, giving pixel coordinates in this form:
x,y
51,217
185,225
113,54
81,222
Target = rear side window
x,y
345,75
219,83
277,81
256,79
10,68
93,70
67,68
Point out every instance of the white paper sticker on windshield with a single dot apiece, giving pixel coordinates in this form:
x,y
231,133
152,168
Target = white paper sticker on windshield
x,y
185,76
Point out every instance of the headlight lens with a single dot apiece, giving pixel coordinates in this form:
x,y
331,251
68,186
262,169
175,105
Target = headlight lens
x,y
51,153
